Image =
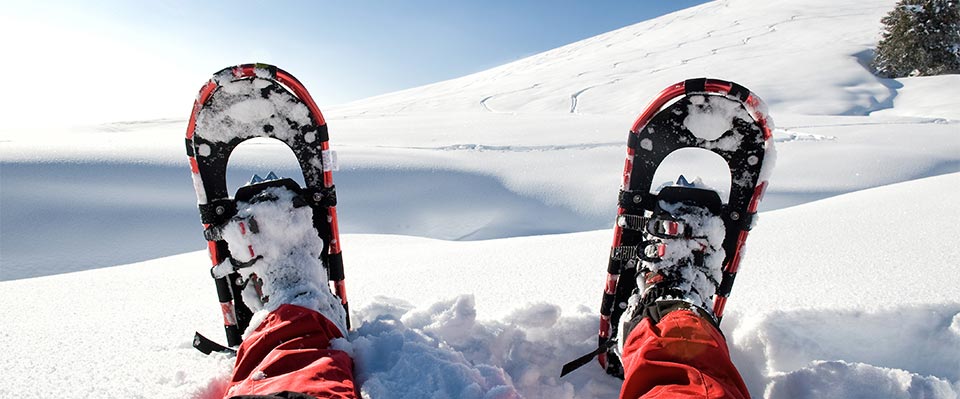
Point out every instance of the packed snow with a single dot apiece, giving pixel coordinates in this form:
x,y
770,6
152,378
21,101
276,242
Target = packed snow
x,y
240,106
476,220
711,117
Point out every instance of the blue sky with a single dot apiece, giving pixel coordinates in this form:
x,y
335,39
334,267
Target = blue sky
x,y
342,50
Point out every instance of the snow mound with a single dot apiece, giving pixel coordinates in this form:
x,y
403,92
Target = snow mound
x,y
709,117
838,379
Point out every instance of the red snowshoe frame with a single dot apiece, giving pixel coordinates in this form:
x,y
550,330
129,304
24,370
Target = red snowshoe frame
x,y
310,145
666,115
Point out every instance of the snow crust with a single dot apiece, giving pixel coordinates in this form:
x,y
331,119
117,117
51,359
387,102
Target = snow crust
x,y
475,216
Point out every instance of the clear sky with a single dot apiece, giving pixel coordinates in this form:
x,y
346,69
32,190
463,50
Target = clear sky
x,y
107,60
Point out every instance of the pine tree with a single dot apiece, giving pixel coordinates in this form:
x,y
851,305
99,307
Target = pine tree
x,y
921,38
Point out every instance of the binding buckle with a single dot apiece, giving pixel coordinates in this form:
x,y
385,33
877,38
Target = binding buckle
x,y
651,250
667,228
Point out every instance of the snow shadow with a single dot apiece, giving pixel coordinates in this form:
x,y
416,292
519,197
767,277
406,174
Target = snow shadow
x,y
65,217
449,205
865,59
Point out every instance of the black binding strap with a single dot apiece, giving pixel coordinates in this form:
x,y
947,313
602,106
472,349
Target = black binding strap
x,y
695,85
217,211
606,307
742,222
323,133
213,232
739,92
583,360
335,266
726,284
321,196
208,346
614,266
623,252
633,140
632,222
636,202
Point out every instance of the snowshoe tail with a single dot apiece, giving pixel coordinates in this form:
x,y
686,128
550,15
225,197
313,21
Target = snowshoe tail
x,y
277,106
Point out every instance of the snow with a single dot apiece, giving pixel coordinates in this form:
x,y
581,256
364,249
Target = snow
x,y
475,217
279,239
710,117
707,232
238,106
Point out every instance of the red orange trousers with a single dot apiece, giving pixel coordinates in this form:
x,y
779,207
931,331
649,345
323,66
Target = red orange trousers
x,y
682,356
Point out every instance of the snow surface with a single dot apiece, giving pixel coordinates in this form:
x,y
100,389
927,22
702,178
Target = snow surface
x,y
476,218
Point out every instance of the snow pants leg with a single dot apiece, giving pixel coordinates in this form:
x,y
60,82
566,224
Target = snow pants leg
x,y
290,352
682,356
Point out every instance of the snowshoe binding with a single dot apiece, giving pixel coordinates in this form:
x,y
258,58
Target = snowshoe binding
x,y
276,250
679,263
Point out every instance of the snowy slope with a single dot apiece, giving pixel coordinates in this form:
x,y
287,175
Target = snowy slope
x,y
804,56
815,288
476,211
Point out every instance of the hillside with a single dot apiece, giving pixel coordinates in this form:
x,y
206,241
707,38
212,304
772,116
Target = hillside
x,y
480,208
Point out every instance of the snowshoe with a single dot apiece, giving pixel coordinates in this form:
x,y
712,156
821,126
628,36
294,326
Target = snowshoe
x,y
237,104
722,117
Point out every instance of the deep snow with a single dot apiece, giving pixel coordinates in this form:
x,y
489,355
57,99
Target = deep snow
x,y
803,315
477,216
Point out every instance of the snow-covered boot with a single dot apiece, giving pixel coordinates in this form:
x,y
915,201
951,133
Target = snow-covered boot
x,y
275,247
679,263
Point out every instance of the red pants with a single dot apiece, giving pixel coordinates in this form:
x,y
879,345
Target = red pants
x,y
290,352
683,356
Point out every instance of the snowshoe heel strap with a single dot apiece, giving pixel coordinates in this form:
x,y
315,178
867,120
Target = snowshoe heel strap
x,y
246,193
583,360
208,346
708,199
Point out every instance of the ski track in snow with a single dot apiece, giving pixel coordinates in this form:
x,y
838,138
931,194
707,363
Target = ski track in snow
x,y
486,107
575,97
513,148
